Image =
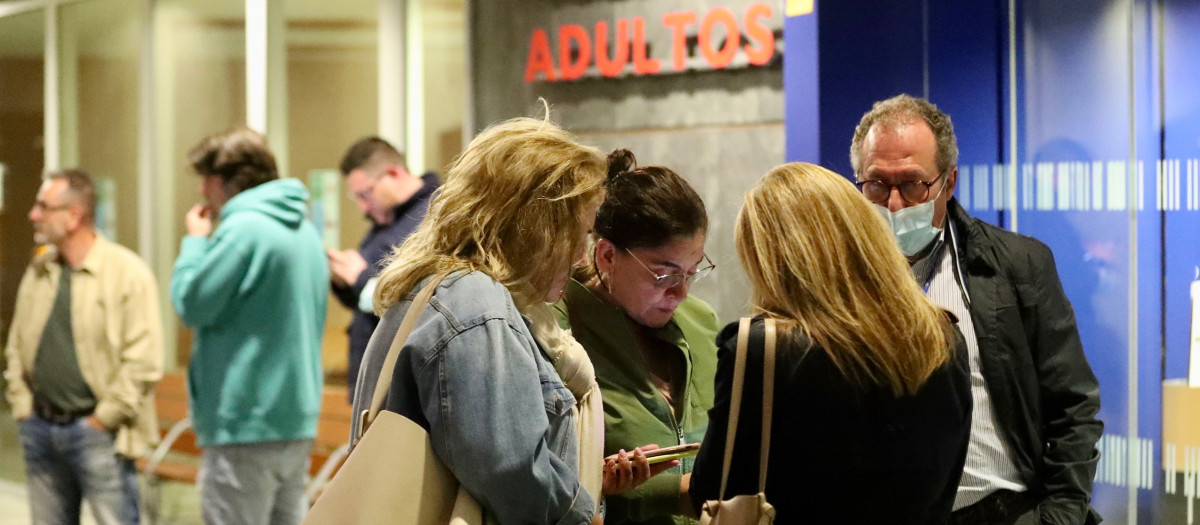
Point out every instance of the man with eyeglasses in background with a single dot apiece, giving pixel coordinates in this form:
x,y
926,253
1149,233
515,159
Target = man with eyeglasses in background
x,y
1032,454
395,202
84,355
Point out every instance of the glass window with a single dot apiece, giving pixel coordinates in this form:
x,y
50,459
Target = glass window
x,y
200,66
1073,192
22,58
98,89
443,64
332,92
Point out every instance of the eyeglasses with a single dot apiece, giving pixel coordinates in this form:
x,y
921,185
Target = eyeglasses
x,y
671,280
913,192
41,206
367,193
363,194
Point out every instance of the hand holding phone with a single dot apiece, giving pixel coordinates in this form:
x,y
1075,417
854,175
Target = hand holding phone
x,y
660,455
627,470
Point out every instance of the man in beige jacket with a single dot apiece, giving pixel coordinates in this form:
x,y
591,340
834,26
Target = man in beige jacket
x,y
84,354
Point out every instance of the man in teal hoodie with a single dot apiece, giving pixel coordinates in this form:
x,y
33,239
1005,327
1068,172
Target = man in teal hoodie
x,y
254,291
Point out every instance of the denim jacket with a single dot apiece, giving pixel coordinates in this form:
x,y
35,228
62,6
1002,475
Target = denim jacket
x,y
497,413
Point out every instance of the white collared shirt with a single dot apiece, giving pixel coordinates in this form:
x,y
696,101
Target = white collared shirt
x,y
989,466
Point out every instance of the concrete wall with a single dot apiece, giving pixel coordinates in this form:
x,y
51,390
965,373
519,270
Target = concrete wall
x,y
721,129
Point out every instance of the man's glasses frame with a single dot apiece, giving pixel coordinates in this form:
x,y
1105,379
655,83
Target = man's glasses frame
x,y
43,207
367,193
912,192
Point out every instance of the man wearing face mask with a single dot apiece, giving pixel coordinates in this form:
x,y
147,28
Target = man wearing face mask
x,y
1032,454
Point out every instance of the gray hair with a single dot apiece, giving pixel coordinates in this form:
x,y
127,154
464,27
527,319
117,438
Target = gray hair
x,y
81,187
905,109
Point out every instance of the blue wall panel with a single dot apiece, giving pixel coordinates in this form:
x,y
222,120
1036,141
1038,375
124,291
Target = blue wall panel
x,y
869,51
1181,138
801,80
966,52
1073,101
1073,111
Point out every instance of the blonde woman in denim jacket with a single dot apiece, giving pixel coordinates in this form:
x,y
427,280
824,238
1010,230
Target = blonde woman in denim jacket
x,y
509,400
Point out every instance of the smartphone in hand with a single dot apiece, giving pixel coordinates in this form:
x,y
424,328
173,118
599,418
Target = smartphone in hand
x,y
660,455
622,475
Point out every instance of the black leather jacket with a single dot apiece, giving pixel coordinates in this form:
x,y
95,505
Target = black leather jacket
x,y
1043,389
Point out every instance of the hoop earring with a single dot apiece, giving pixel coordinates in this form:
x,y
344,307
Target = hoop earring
x,y
596,267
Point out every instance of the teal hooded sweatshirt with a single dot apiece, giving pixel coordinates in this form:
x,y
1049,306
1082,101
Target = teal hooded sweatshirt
x,y
255,292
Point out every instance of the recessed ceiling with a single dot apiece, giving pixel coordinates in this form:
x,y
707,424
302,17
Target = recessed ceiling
x,y
21,35
100,25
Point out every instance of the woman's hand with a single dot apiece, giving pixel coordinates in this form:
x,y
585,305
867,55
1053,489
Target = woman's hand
x,y
625,471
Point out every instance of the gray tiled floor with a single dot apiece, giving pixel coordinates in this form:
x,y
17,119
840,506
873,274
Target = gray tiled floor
x,y
13,508
180,503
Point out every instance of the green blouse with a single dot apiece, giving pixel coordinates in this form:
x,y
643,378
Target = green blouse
x,y
635,411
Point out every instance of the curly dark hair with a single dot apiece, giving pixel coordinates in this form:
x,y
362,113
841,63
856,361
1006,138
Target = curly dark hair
x,y
239,155
647,207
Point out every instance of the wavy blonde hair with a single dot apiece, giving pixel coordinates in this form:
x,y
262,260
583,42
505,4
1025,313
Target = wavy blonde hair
x,y
510,207
825,264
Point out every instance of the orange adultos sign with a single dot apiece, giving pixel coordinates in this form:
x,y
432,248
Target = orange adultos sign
x,y
615,46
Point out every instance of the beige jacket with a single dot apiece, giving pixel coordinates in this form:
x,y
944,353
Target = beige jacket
x,y
118,338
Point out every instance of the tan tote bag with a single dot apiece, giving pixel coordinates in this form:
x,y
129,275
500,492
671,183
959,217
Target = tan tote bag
x,y
393,475
745,509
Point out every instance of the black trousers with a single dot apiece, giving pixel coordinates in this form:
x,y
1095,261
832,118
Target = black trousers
x,y
1003,507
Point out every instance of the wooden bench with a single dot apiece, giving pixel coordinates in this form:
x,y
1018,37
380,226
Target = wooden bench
x,y
332,443
177,457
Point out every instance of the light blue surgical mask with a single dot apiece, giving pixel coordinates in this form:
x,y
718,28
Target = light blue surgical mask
x,y
912,226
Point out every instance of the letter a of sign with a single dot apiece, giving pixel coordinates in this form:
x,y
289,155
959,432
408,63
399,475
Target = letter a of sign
x,y
539,58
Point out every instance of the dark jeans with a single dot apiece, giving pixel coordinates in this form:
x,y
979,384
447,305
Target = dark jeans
x,y
1003,507
70,462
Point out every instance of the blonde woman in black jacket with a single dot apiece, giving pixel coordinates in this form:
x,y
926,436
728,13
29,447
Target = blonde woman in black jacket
x,y
872,398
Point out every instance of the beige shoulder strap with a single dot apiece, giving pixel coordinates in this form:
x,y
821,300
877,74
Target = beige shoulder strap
x,y
735,401
384,383
739,380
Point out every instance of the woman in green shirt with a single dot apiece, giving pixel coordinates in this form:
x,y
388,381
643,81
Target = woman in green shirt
x,y
652,344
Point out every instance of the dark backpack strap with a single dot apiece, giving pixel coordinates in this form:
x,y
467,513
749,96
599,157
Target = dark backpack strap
x,y
768,400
